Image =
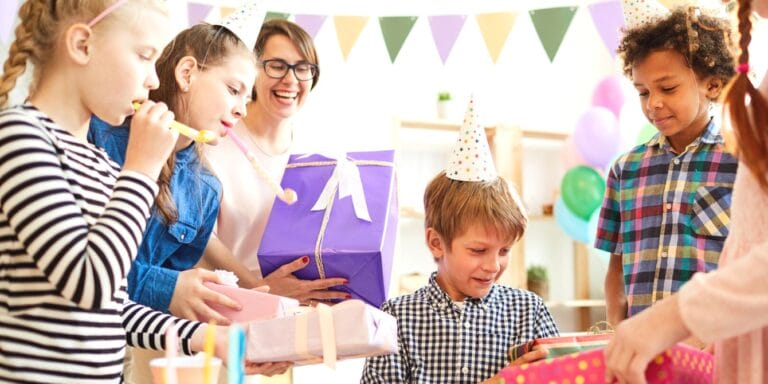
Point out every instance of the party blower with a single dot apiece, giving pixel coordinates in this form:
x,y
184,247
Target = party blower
x,y
202,136
287,195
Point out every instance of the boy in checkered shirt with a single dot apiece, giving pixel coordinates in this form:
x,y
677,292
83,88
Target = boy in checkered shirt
x,y
666,211
460,327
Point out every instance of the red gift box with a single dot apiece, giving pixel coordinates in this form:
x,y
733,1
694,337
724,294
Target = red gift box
x,y
680,364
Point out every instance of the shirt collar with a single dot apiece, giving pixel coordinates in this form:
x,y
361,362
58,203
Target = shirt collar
x,y
439,298
711,135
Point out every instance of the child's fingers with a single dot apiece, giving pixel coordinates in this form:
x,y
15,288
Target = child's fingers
x,y
323,284
220,298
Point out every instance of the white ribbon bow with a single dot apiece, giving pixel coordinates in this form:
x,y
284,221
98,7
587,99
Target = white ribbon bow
x,y
346,175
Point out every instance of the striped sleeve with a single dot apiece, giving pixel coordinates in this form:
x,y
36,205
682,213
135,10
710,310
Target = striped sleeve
x,y
146,327
42,209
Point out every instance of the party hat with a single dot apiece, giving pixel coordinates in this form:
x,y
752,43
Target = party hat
x,y
641,12
246,22
470,159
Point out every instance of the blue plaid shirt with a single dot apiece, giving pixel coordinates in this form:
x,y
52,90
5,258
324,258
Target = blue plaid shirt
x,y
441,342
667,214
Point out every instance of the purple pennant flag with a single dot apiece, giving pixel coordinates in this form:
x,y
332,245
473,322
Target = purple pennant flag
x,y
445,31
311,23
197,12
608,20
8,10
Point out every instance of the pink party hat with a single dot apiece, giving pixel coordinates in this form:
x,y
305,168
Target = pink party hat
x,y
246,22
641,12
470,159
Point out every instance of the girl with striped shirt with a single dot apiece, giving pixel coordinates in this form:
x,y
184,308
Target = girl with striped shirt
x,y
70,219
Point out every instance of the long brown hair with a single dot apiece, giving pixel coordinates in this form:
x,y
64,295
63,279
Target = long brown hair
x,y
210,45
42,22
750,124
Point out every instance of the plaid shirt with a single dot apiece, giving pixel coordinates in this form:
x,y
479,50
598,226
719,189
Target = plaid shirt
x,y
441,342
667,214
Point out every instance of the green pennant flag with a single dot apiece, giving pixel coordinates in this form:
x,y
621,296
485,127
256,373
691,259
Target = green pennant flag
x,y
551,25
276,15
395,30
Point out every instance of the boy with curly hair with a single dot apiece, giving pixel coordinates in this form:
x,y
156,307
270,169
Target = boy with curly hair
x,y
666,211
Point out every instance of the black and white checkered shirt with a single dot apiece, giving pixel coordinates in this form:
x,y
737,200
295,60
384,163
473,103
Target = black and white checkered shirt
x,y
440,342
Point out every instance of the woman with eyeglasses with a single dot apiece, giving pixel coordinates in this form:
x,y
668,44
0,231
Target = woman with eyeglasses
x,y
288,71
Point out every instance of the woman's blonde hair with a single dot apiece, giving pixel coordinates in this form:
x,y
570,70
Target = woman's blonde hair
x,y
451,206
42,22
210,45
750,125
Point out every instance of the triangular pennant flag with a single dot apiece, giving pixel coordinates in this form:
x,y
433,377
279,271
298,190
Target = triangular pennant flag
x,y
226,11
395,30
8,9
495,28
608,20
311,23
348,29
551,25
197,12
470,158
445,31
276,15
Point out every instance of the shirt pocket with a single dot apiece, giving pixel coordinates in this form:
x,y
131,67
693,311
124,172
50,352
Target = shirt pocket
x,y
182,232
711,214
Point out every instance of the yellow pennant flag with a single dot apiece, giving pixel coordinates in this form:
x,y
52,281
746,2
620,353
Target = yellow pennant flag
x,y
225,11
348,29
495,28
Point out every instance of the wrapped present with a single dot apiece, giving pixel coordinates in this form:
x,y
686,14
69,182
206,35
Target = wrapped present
x,y
351,329
564,345
255,305
349,234
680,364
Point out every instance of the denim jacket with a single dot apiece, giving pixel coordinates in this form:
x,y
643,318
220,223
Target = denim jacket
x,y
166,249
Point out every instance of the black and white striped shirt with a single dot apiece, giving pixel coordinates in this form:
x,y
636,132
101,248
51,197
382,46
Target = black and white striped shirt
x,y
70,225
440,342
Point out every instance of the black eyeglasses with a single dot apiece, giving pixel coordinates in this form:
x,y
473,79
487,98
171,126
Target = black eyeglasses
x,y
278,68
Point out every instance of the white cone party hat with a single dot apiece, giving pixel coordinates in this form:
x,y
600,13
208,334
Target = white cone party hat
x,y
470,159
246,22
641,12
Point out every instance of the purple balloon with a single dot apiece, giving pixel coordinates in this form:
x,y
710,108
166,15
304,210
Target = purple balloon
x,y
597,136
609,94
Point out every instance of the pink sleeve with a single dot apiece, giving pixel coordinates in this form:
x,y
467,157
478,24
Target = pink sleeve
x,y
729,301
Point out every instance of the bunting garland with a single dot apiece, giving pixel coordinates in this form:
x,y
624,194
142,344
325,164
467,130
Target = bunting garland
x,y
197,12
348,29
551,25
311,23
445,31
495,28
276,15
8,9
395,30
608,20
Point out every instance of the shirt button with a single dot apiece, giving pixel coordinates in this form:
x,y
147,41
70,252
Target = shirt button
x,y
465,370
182,236
669,206
467,325
676,161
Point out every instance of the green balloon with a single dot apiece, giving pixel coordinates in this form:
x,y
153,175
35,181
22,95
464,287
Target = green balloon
x,y
582,190
645,134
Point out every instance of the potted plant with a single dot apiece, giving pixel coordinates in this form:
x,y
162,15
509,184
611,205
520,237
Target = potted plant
x,y
538,281
443,104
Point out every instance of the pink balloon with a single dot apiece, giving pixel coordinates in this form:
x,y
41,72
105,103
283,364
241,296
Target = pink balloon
x,y
570,156
610,94
597,136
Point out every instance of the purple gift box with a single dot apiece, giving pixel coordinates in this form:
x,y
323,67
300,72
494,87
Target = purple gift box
x,y
337,241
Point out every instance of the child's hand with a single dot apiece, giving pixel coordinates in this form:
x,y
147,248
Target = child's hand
x,y
539,352
151,141
190,296
267,369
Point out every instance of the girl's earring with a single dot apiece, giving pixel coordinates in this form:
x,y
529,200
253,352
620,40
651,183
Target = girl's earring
x,y
185,89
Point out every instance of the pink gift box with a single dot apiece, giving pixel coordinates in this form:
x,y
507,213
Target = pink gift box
x,y
358,330
680,364
256,305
